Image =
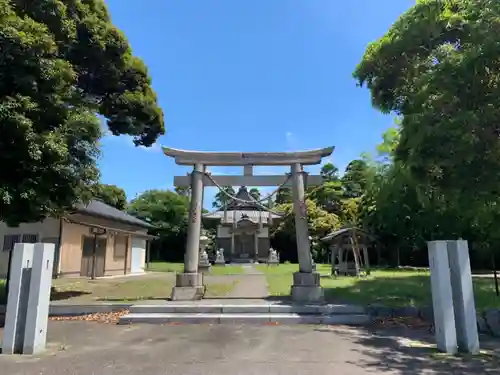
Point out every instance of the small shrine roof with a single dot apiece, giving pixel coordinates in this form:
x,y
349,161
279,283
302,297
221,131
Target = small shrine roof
x,y
243,194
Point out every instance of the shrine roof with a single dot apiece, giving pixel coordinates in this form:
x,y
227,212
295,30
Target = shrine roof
x,y
350,231
244,195
239,214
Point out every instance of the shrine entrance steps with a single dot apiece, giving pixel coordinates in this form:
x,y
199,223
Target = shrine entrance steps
x,y
254,312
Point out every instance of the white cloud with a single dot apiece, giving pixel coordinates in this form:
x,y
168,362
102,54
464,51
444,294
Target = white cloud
x,y
290,141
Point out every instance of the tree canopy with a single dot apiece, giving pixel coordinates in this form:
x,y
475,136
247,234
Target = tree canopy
x,y
437,68
220,198
62,63
168,212
112,195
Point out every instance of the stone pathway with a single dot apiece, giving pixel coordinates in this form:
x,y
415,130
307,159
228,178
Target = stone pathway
x,y
252,284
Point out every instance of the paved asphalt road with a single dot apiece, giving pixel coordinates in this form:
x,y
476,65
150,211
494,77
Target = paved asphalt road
x,y
88,348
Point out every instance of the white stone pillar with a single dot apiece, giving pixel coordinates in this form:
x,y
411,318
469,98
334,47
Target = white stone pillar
x,y
463,297
301,225
189,284
442,300
35,336
17,300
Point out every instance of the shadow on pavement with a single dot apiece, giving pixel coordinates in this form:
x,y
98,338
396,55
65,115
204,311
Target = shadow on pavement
x,y
408,351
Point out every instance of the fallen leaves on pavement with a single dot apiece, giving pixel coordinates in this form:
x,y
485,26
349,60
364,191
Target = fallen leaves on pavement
x,y
407,322
111,317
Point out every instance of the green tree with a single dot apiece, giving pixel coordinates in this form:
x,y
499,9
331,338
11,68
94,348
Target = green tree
x,y
112,195
350,212
390,142
320,224
168,212
328,196
354,180
222,198
255,193
284,195
329,172
437,68
63,62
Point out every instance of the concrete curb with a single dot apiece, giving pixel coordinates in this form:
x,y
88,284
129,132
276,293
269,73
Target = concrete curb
x,y
248,309
488,322
244,318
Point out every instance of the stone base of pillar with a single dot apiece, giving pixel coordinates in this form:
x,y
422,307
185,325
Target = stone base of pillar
x,y
188,287
205,268
306,287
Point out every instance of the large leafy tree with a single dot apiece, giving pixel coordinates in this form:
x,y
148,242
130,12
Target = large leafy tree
x,y
168,212
329,172
283,195
164,209
354,179
221,198
328,196
438,67
63,62
320,223
112,195
255,193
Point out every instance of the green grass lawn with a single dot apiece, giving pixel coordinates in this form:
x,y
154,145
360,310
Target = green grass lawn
x,y
385,287
178,267
137,288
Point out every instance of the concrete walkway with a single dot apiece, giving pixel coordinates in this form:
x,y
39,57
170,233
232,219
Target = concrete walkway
x,y
78,348
252,284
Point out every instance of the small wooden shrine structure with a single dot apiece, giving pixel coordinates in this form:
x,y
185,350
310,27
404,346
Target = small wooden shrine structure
x,y
349,251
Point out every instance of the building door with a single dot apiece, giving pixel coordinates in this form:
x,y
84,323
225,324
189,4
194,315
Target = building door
x,y
245,246
87,251
138,256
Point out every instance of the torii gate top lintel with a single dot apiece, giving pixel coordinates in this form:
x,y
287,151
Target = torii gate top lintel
x,y
207,158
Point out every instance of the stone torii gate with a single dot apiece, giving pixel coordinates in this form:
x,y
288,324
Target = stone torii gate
x,y
306,283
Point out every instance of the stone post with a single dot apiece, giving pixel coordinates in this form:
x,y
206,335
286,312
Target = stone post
x,y
189,284
306,283
35,335
442,300
29,297
463,297
17,300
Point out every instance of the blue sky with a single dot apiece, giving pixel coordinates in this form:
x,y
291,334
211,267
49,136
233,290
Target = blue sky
x,y
250,75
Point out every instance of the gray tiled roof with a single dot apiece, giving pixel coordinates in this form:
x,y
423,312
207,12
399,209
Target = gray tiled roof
x,y
244,195
347,230
252,215
101,209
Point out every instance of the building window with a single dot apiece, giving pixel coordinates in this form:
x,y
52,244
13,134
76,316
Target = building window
x,y
30,238
120,248
10,240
